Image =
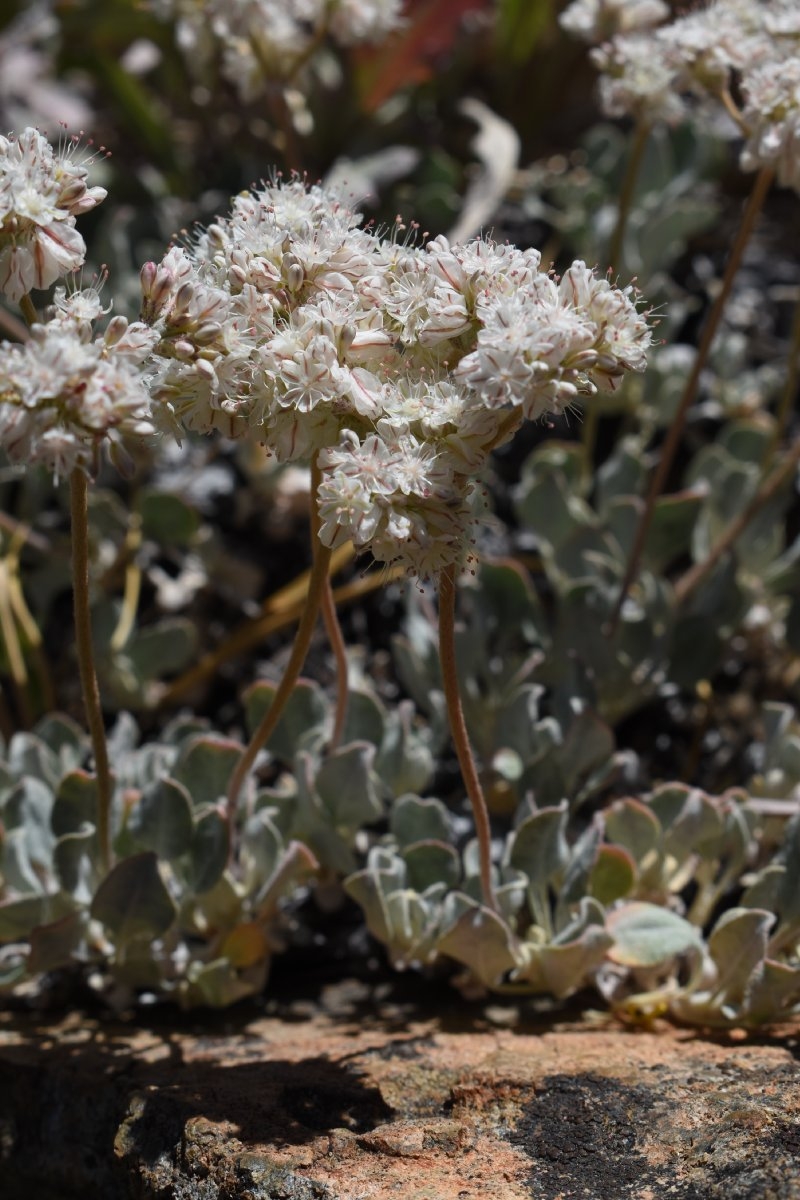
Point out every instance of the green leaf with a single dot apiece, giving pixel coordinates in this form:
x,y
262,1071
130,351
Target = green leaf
x,y
738,946
404,760
65,738
481,941
302,724
539,848
163,649
204,767
54,945
562,969
646,935
28,809
166,518
631,824
346,784
209,852
162,820
19,917
75,803
431,863
73,857
414,820
365,719
29,756
132,901
613,875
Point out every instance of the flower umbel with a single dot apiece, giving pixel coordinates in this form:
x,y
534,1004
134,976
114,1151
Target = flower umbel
x,y
42,191
65,392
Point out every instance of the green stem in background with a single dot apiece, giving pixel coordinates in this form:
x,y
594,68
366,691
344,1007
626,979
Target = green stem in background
x,y
331,619
774,482
633,166
458,729
79,495
627,192
761,186
786,403
28,310
266,726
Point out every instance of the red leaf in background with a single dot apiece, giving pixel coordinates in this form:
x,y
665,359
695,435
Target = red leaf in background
x,y
432,28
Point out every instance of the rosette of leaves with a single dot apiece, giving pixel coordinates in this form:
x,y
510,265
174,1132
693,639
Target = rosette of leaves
x,y
176,915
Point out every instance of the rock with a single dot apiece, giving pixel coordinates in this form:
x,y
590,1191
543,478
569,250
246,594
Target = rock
x,y
368,1099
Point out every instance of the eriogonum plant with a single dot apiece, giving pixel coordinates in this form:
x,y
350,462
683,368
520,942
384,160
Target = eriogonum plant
x,y
395,369
66,393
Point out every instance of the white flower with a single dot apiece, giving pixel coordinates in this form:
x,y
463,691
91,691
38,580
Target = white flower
x,y
638,79
64,393
262,41
597,20
772,111
41,194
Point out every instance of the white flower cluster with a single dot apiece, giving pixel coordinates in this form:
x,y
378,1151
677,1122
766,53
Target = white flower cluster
x,y
397,367
67,391
267,40
687,66
42,191
597,20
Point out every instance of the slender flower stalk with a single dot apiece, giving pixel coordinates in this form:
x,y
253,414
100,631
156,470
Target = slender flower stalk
x,y
689,581
761,186
79,493
633,166
458,730
627,192
331,620
789,394
320,574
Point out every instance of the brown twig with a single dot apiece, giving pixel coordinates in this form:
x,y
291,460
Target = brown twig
x,y
755,202
458,730
696,574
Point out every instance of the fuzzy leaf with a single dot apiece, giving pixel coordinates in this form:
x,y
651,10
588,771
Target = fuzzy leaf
x,y
208,855
53,945
246,945
646,935
563,969
539,848
204,767
613,875
404,761
738,946
166,518
481,941
65,738
631,824
430,863
132,900
75,803
162,649
346,785
775,988
414,820
73,857
19,917
29,756
302,723
27,811
365,719
294,866
162,820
